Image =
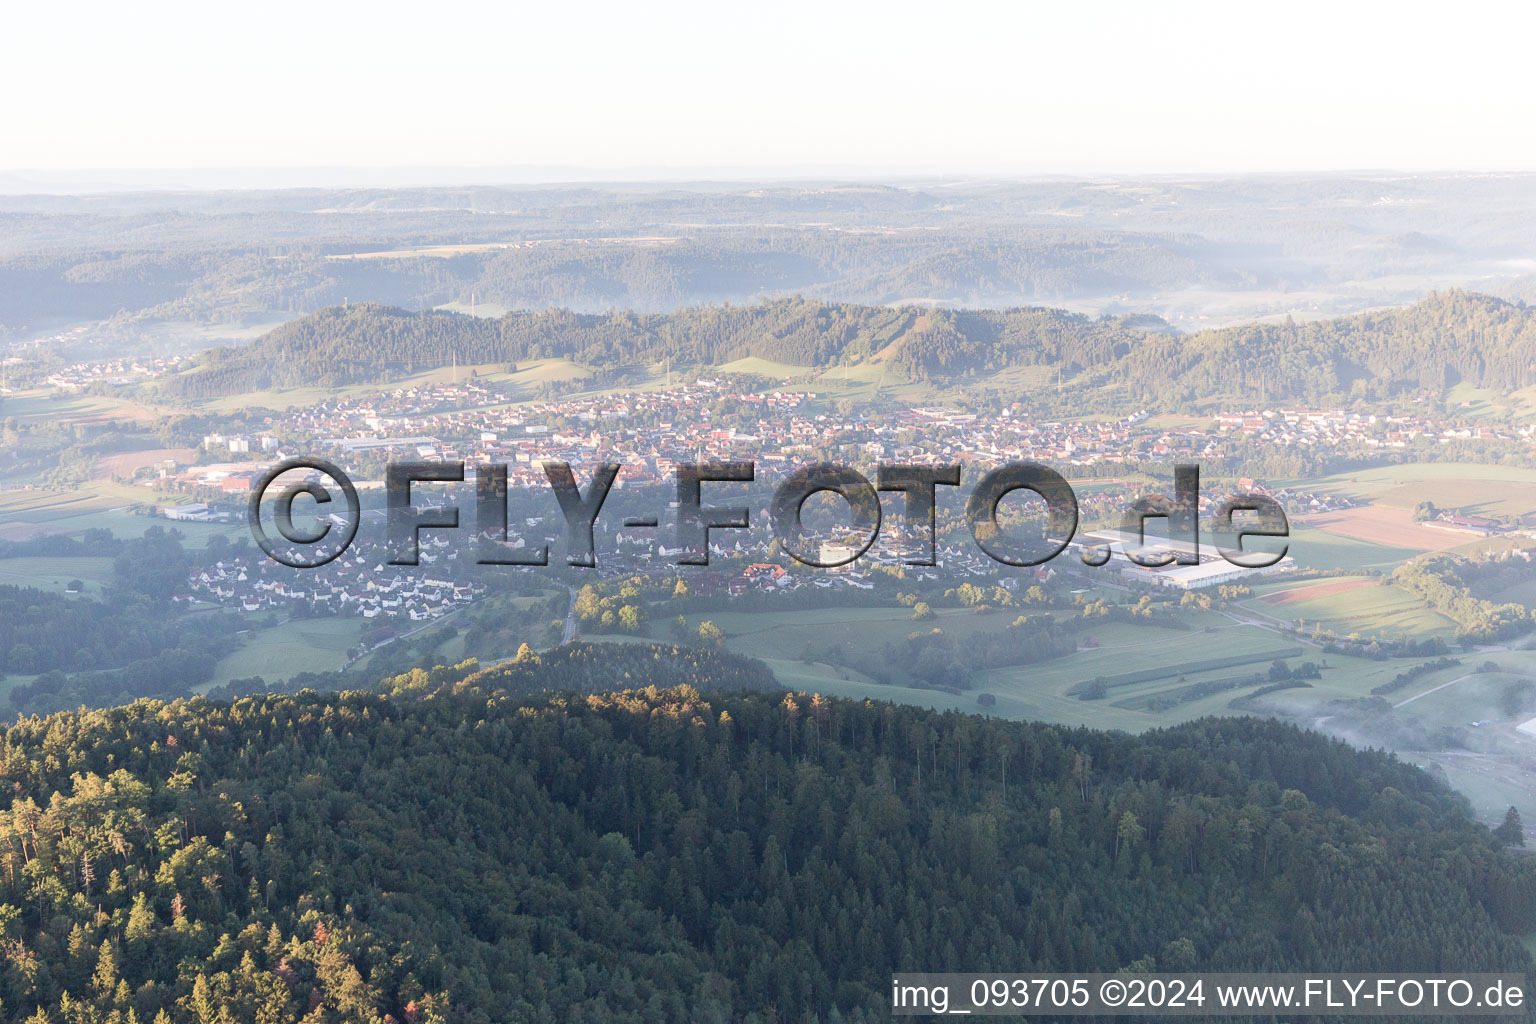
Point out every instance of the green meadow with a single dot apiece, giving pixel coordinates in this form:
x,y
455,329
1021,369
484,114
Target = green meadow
x,y
55,574
1375,609
284,650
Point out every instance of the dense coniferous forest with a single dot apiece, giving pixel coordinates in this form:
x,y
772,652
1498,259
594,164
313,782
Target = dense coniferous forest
x,y
1445,339
444,850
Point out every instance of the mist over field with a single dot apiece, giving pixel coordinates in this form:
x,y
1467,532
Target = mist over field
x,y
1196,251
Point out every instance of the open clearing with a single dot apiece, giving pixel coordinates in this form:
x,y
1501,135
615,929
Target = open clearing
x,y
18,531
806,650
56,573
283,651
767,368
524,382
1381,524
49,508
1317,590
826,633
1472,495
1480,489
125,463
26,513
39,405
1376,609
1521,593
483,310
1319,549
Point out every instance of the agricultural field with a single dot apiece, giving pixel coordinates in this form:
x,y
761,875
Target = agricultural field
x,y
826,631
1044,690
1297,592
1481,489
766,368
1469,400
287,398
1040,692
55,574
1353,605
1465,694
31,512
1523,592
40,404
284,650
125,464
1313,548
524,382
23,505
1384,524
1026,692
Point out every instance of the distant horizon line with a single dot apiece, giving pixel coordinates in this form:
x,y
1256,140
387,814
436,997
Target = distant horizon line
x,y
88,181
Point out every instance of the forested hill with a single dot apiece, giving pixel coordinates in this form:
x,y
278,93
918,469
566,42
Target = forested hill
x,y
1449,337
660,855
369,342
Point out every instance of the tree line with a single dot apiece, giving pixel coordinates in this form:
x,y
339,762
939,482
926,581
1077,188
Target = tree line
x,y
1447,338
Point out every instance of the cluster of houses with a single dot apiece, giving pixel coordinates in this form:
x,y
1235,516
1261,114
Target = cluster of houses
x,y
1335,428
652,430
357,583
117,372
1296,501
649,433
391,410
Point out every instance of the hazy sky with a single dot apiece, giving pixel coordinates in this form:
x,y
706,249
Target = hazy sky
x,y
793,87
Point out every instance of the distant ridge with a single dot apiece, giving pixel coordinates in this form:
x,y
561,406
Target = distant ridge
x,y
1447,338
